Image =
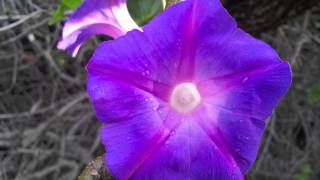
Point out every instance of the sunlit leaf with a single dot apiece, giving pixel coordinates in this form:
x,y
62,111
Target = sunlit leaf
x,y
58,14
65,4
72,4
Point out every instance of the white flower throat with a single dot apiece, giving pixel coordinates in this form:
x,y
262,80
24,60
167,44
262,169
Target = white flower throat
x,y
185,97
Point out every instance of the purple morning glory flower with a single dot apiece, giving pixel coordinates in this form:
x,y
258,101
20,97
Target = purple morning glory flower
x,y
93,17
187,98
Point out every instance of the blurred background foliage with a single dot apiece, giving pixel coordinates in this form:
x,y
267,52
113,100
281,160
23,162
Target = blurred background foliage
x,y
64,5
305,173
48,129
314,93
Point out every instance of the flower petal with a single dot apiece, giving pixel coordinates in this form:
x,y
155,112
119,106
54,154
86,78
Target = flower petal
x,y
131,142
189,154
116,100
133,128
163,52
148,56
205,20
108,17
121,75
241,80
236,114
231,53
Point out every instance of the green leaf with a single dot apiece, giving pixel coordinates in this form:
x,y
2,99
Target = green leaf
x,y
58,14
307,169
304,173
143,11
314,93
72,4
64,5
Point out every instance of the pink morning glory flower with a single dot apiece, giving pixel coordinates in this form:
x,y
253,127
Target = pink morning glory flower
x,y
187,97
93,17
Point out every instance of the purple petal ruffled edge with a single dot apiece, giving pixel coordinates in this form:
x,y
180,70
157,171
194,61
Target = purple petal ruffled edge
x,y
93,17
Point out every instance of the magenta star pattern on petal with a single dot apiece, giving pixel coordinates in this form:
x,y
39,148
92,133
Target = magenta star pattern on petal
x,y
93,17
187,98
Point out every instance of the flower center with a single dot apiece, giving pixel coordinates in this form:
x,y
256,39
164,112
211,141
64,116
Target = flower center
x,y
185,97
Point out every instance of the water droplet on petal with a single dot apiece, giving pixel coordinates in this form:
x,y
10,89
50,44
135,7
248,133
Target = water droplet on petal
x,y
244,79
172,132
167,143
